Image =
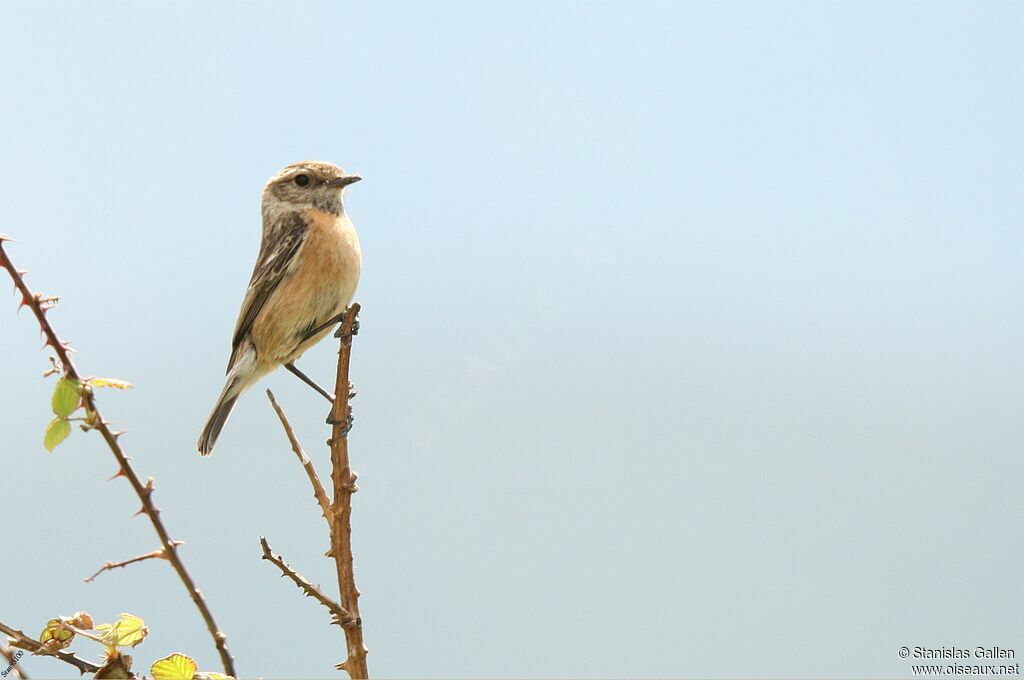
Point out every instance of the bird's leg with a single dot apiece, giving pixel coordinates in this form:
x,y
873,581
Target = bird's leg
x,y
327,324
309,381
330,322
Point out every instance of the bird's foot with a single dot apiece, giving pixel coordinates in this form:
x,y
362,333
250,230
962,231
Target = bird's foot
x,y
340,332
347,422
339,318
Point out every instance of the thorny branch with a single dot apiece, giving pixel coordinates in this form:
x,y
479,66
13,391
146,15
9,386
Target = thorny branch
x,y
344,482
337,511
39,305
22,641
158,554
338,613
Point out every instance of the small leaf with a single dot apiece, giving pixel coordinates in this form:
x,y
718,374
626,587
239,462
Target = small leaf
x,y
110,382
55,631
128,630
66,397
174,667
203,675
56,432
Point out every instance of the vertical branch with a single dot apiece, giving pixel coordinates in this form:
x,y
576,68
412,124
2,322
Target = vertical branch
x,y
125,469
344,482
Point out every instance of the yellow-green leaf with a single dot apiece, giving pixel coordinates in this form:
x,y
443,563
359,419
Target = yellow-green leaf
x,y
55,631
56,432
174,667
128,630
66,397
110,382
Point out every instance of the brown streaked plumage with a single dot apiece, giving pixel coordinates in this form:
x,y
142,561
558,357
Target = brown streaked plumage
x,y
306,274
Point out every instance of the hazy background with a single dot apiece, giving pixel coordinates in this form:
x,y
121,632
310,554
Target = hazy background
x,y
691,341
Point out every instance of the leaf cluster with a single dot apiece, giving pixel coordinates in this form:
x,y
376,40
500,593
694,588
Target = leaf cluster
x,y
68,397
128,631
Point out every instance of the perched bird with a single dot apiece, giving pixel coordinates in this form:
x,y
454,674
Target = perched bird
x,y
305,276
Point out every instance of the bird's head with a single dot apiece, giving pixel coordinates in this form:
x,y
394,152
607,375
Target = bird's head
x,y
309,184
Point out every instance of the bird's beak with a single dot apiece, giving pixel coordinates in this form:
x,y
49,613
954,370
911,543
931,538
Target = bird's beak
x,y
344,181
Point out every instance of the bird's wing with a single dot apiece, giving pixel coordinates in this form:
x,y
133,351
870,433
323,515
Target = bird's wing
x,y
274,263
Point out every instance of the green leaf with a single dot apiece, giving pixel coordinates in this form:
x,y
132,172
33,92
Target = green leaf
x,y
66,397
56,432
174,667
110,382
128,630
55,631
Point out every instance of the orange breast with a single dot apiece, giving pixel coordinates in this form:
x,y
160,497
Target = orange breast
x,y
320,286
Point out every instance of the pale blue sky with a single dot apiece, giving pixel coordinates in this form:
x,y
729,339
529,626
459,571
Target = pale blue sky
x,y
691,337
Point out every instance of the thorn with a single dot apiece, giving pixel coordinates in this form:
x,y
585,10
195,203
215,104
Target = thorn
x,y
119,473
5,237
117,435
141,511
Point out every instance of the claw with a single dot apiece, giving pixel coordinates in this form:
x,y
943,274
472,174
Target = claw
x,y
348,422
354,331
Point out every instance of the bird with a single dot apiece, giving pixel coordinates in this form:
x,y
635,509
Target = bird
x,y
305,276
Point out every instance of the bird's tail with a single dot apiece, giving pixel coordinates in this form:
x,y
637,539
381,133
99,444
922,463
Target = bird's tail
x,y
238,381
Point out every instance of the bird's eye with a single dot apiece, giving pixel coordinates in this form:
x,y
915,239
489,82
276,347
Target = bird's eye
x,y
302,180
